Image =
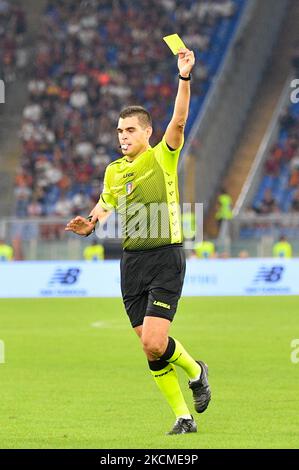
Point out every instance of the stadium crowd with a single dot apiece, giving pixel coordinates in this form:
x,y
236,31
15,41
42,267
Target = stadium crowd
x,y
92,58
279,188
13,54
280,185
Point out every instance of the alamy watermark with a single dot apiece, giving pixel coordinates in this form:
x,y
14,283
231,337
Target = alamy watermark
x,y
2,92
295,351
295,93
2,353
155,220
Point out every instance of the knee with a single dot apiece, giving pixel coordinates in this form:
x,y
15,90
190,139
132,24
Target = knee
x,y
153,347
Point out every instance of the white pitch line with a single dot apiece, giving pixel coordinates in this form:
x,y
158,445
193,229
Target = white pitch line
x,y
104,324
100,324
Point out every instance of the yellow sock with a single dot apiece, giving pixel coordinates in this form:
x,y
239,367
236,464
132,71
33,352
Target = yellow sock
x,y
181,358
167,381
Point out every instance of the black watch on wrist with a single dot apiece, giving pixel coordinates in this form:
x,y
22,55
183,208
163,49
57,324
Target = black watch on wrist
x,y
185,78
89,219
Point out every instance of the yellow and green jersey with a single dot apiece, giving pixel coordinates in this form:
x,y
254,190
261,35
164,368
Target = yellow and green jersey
x,y
204,249
283,249
225,210
94,253
145,193
6,253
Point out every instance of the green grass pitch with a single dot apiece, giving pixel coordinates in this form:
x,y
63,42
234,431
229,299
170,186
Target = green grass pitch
x,y
75,375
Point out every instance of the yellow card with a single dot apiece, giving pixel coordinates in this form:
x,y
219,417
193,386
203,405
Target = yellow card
x,y
174,42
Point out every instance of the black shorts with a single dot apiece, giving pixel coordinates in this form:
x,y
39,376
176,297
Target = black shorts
x,y
152,282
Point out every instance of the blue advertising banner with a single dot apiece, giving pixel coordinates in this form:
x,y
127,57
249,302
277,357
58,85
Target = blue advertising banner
x,y
102,279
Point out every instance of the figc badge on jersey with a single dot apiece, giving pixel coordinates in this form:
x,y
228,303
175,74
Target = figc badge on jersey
x,y
129,187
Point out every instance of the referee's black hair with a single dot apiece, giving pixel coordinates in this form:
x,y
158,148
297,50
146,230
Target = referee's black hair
x,y
143,115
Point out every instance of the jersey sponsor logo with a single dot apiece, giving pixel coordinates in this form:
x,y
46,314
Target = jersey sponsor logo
x,y
127,175
272,274
65,276
129,187
161,304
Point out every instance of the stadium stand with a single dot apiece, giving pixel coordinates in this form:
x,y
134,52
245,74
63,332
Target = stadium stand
x,y
278,191
87,67
12,29
281,178
241,173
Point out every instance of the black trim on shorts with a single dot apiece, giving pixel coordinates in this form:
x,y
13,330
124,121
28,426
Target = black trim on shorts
x,y
149,313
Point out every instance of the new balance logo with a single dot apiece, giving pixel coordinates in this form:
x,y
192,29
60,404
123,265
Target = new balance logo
x,y
161,304
62,276
272,274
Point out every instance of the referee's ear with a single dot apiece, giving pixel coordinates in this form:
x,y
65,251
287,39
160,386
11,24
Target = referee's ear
x,y
149,131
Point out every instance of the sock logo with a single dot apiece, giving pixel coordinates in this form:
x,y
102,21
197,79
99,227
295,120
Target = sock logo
x,y
174,360
164,373
161,304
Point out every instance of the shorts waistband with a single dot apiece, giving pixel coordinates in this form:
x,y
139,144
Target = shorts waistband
x,y
153,250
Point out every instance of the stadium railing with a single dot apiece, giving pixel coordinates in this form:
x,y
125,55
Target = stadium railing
x,y
270,224
45,238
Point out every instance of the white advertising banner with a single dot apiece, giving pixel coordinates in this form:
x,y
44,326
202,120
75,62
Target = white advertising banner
x,y
102,279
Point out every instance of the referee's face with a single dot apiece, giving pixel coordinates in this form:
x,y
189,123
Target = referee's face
x,y
132,136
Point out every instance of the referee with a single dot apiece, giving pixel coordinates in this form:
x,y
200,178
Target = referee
x,y
143,187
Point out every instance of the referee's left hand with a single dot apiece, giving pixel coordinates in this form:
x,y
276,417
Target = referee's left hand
x,y
186,61
80,226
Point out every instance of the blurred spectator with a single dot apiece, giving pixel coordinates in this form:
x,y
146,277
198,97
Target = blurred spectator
x,y
63,206
94,252
224,206
273,162
34,208
294,172
287,121
243,254
272,167
22,195
13,55
224,255
204,249
283,248
81,203
268,204
6,251
295,201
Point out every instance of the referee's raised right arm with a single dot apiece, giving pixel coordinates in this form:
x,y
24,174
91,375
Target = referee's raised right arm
x,y
175,130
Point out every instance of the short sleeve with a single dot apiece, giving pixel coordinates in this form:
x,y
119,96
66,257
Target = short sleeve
x,y
107,200
167,158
